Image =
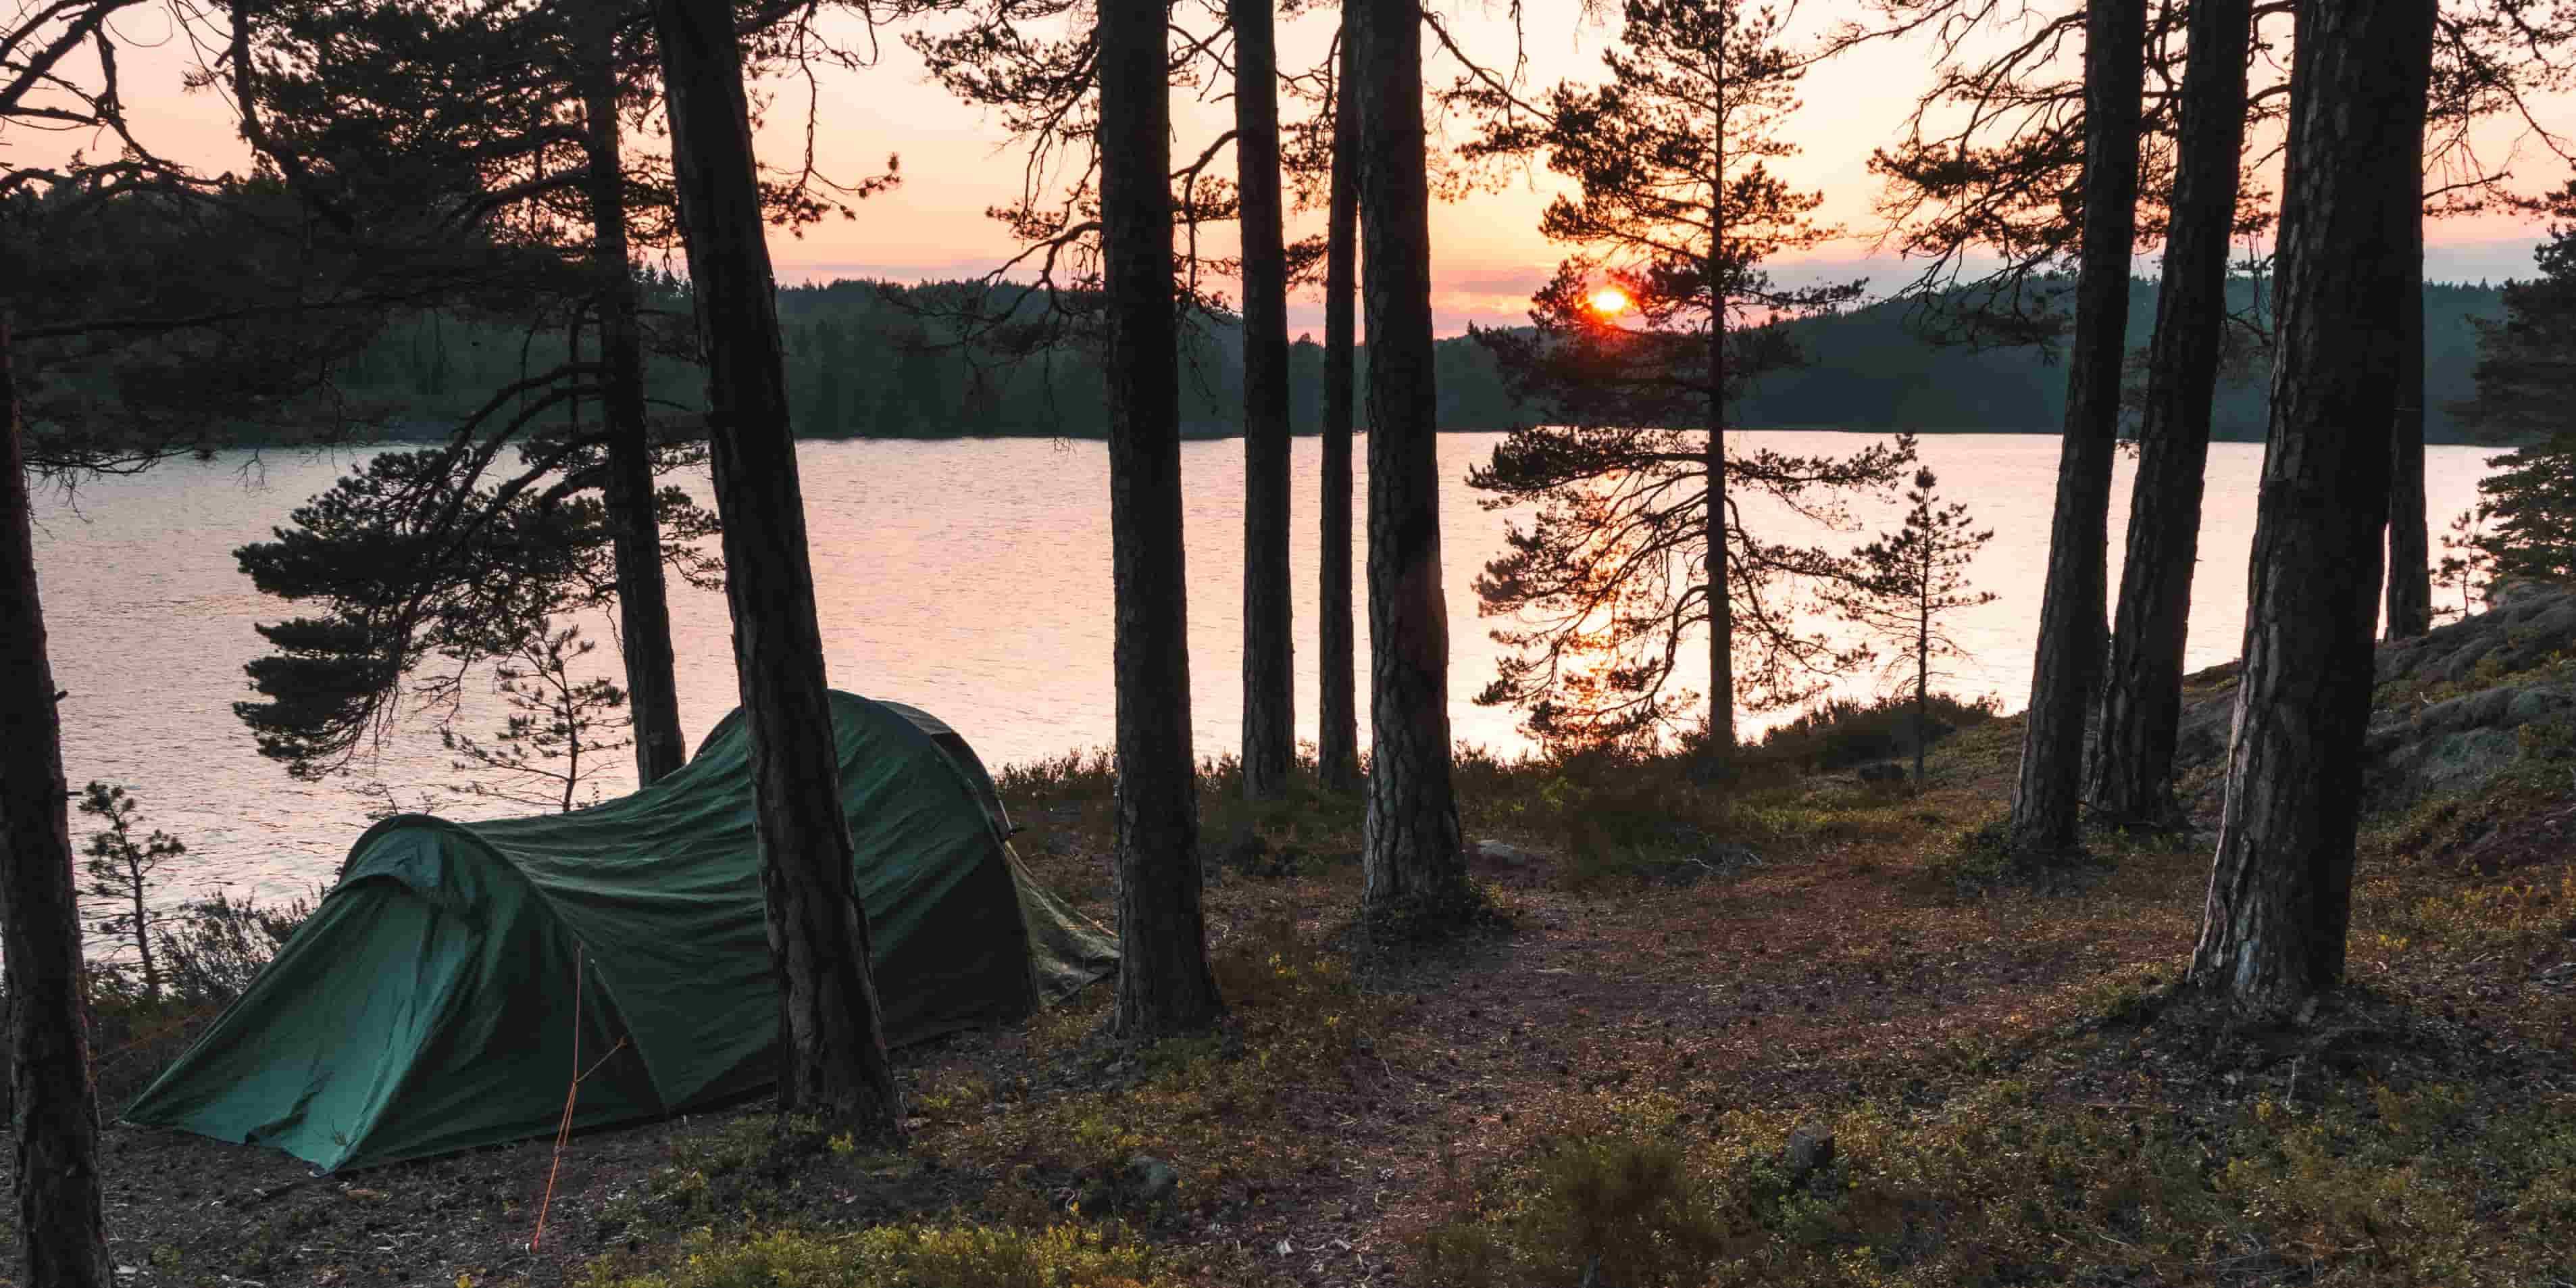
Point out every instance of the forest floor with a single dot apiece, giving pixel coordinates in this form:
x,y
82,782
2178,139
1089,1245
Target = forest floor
x,y
1792,1030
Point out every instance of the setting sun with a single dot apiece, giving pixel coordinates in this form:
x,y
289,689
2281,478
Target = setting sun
x,y
1609,301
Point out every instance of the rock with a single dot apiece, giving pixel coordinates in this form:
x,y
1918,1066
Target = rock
x,y
1502,854
1149,1180
2417,748
2510,592
1810,1150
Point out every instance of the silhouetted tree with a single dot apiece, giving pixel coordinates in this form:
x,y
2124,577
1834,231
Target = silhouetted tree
x,y
1677,204
418,575
643,601
2280,893
62,1235
2526,372
1910,577
1269,672
832,1031
1164,983
2410,578
556,721
1414,867
1337,738
2466,567
2142,693
2067,666
120,871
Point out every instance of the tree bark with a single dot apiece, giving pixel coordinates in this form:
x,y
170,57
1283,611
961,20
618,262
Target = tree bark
x,y
1922,661
833,1054
2410,552
1411,861
62,1239
2142,699
1337,736
1164,983
1269,640
2068,664
2280,888
1720,754
643,604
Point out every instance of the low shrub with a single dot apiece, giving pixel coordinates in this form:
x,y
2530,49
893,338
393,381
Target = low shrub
x,y
905,1256
2370,1185
1841,732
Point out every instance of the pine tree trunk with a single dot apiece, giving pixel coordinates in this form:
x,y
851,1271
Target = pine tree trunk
x,y
1410,854
1269,670
2280,890
62,1239
1720,755
2142,697
2410,553
2068,665
833,1051
143,939
643,606
1337,736
1164,983
1922,664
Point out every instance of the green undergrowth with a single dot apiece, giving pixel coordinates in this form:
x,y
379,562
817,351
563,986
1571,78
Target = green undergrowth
x,y
1219,1108
906,1256
2003,1185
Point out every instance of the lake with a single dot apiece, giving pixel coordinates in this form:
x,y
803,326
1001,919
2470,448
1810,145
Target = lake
x,y
969,577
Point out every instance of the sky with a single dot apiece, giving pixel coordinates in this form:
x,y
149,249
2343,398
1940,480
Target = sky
x,y
1488,255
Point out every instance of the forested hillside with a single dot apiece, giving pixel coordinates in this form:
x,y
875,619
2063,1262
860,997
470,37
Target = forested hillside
x,y
863,364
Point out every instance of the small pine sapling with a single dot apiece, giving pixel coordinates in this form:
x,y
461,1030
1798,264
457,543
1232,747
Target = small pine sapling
x,y
2466,562
120,872
558,725
1910,577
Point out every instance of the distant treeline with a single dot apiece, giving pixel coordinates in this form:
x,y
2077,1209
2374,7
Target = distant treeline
x,y
862,365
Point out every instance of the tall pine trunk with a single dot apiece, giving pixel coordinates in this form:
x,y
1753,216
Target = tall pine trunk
x,y
1923,660
1720,753
2142,696
2410,555
832,1032
62,1239
2068,664
1164,983
643,605
1410,857
1337,735
1269,672
2280,889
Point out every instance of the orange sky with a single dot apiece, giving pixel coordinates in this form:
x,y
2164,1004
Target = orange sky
x,y
1488,255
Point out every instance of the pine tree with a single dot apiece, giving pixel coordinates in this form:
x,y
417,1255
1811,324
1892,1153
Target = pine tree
x,y
2273,933
2526,370
2526,376
1636,547
2067,664
832,1049
1414,868
1165,984
120,871
1912,576
1269,671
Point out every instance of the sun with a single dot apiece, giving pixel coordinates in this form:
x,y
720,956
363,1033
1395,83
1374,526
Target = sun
x,y
1609,301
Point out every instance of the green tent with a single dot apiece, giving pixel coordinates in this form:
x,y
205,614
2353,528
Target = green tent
x,y
443,993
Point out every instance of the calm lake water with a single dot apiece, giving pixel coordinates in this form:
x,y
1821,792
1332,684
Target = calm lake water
x,y
969,577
